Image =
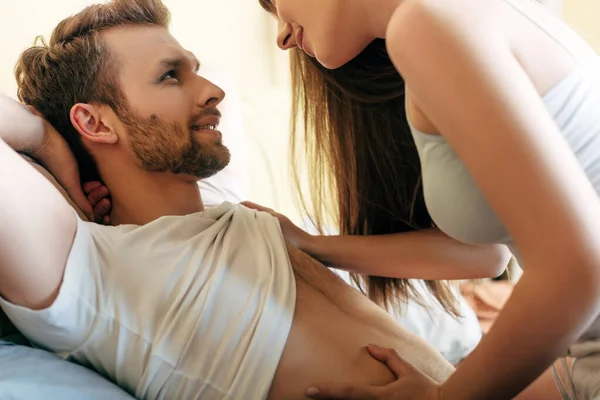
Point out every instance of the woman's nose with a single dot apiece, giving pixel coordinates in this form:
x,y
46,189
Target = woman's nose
x,y
286,39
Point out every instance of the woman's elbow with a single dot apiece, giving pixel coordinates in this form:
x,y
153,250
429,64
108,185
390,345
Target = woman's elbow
x,y
495,259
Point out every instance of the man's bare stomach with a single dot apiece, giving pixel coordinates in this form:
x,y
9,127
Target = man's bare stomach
x,y
332,325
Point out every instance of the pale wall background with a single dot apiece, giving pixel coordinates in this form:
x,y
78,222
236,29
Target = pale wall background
x,y
584,15
236,38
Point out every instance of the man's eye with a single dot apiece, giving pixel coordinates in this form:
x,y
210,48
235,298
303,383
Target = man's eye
x,y
169,75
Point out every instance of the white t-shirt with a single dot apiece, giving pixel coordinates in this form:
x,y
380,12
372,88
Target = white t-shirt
x,y
198,306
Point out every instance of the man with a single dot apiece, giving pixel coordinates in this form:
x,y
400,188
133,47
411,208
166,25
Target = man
x,y
173,301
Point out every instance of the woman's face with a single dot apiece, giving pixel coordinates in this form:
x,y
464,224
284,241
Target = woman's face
x,y
328,30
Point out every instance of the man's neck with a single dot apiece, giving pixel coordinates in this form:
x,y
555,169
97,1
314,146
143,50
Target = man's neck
x,y
140,197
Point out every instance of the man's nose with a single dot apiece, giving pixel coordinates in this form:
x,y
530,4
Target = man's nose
x,y
209,94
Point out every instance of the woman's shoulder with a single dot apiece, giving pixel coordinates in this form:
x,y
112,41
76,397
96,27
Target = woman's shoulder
x,y
445,20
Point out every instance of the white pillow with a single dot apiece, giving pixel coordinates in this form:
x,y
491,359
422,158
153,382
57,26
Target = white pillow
x,y
454,338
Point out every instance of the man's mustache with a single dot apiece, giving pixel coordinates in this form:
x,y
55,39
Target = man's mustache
x,y
210,112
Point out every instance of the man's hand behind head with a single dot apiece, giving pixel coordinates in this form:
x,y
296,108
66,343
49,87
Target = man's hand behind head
x,y
56,156
99,197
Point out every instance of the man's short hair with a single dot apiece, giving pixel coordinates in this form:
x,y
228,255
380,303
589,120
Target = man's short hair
x,y
78,67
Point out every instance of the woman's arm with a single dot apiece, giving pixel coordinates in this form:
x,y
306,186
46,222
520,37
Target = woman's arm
x,y
459,66
428,254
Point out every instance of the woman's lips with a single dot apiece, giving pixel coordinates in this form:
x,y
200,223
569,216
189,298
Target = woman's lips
x,y
302,44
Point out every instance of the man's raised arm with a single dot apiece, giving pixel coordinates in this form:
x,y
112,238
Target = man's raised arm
x,y
37,225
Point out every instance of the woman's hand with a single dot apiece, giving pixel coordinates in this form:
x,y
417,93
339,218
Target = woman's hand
x,y
99,197
294,235
411,384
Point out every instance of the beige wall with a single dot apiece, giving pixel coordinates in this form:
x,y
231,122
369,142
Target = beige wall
x,y
584,16
233,35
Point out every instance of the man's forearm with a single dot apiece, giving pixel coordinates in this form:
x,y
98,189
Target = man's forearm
x,y
20,128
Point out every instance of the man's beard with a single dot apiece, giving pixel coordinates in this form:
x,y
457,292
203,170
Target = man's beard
x,y
158,146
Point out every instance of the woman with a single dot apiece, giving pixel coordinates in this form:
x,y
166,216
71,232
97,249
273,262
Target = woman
x,y
503,101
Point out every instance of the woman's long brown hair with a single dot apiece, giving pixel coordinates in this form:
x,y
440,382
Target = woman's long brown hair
x,y
363,168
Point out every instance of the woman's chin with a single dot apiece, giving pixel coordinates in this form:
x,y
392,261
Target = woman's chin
x,y
332,63
336,59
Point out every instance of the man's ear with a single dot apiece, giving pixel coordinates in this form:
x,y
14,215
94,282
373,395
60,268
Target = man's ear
x,y
91,124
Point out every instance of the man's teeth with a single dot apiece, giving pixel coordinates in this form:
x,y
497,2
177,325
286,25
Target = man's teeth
x,y
204,127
